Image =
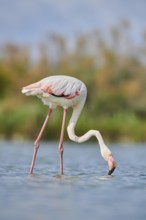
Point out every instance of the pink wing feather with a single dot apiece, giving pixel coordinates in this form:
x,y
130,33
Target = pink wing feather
x,y
59,86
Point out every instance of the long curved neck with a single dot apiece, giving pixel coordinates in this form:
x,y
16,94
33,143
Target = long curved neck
x,y
87,135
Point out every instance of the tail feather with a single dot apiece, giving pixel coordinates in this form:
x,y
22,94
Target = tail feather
x,y
32,89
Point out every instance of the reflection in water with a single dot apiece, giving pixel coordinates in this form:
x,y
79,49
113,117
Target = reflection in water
x,y
105,177
83,192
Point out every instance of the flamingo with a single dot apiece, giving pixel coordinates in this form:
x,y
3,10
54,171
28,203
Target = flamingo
x,y
65,91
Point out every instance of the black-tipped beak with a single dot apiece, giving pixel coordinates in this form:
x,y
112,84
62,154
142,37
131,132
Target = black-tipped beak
x,y
111,171
112,164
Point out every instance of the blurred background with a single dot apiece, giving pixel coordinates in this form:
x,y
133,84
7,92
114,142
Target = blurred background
x,y
101,42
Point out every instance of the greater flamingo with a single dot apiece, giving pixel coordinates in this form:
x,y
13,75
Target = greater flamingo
x,y
66,91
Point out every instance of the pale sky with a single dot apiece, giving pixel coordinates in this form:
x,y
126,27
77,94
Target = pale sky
x,y
28,21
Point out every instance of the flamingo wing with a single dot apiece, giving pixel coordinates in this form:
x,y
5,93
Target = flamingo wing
x,y
58,86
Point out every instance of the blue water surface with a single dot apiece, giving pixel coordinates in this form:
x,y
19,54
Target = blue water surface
x,y
83,192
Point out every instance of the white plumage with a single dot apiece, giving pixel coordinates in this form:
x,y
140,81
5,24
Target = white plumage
x,y
66,91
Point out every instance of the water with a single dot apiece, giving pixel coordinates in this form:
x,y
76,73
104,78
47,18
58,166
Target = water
x,y
84,192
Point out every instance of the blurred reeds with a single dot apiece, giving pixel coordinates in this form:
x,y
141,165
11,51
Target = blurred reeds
x,y
113,68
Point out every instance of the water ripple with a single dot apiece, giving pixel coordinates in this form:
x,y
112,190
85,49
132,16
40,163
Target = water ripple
x,y
83,192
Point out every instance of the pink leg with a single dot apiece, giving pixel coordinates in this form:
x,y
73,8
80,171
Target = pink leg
x,y
61,141
38,141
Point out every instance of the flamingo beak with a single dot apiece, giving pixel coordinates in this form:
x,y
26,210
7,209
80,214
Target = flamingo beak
x,y
111,164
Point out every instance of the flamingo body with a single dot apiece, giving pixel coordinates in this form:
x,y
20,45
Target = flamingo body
x,y
66,91
56,91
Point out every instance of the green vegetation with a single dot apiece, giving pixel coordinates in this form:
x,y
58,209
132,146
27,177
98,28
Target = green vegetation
x,y
113,70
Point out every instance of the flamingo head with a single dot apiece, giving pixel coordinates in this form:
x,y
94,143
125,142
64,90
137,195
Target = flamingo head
x,y
107,155
112,164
